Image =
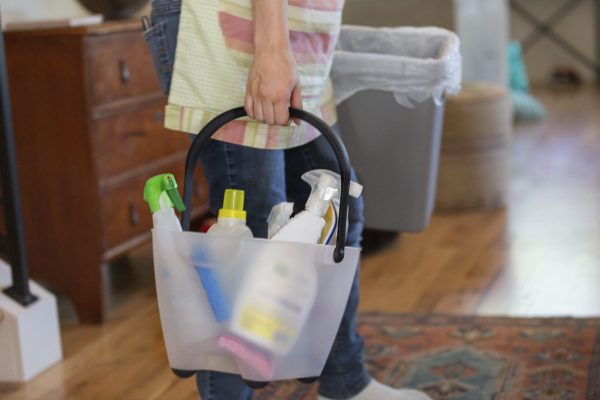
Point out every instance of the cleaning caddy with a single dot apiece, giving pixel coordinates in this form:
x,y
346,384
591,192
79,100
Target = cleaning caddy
x,y
264,309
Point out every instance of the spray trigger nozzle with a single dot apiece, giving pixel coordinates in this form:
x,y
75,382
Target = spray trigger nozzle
x,y
329,193
161,192
173,193
176,199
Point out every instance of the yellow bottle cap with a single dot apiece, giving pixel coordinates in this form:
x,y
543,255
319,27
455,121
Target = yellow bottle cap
x,y
233,205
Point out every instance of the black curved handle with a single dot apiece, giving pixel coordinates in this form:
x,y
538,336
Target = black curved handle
x,y
338,147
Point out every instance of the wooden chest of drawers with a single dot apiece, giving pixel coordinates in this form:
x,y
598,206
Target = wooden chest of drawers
x,y
88,115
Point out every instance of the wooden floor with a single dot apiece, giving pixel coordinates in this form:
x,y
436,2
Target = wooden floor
x,y
540,256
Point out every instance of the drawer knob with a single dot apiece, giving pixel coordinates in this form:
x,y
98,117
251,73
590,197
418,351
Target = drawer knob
x,y
134,216
124,71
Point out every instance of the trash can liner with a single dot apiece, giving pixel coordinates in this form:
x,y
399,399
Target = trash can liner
x,y
389,84
413,63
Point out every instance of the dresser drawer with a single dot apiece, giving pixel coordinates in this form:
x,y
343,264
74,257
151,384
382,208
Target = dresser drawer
x,y
125,215
119,66
125,141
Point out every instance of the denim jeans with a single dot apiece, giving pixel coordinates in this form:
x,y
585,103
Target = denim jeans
x,y
268,177
162,38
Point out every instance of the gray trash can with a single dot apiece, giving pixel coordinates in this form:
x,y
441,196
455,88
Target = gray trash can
x,y
389,86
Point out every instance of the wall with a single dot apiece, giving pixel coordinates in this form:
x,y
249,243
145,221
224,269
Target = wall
x,y
483,48
400,12
578,28
18,10
483,29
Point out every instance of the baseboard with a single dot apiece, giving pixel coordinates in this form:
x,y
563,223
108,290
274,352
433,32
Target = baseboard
x,y
29,336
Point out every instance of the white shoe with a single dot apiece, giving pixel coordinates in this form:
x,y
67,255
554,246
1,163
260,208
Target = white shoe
x,y
378,391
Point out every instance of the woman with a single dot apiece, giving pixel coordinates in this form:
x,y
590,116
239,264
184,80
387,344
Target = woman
x,y
268,55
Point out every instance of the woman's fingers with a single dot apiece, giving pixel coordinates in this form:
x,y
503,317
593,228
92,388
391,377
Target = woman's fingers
x,y
268,112
273,113
282,113
258,112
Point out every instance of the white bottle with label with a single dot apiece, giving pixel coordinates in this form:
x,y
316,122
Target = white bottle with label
x,y
279,293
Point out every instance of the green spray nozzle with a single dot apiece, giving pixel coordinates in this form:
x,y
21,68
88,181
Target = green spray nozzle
x,y
161,192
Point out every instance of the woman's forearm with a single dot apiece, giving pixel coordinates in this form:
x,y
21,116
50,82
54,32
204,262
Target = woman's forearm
x,y
270,26
273,83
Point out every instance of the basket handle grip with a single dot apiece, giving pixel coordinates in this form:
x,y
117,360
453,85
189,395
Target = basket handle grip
x,y
338,147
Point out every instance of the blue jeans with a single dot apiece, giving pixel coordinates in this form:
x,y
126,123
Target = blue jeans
x,y
162,38
269,177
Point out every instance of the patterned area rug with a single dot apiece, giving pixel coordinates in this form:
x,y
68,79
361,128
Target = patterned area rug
x,y
473,358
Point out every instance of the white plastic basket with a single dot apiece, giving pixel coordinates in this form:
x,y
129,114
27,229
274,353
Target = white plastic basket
x,y
191,331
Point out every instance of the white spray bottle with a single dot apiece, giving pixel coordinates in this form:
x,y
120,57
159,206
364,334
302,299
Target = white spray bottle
x,y
307,226
329,235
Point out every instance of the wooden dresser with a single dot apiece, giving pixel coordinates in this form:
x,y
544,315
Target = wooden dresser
x,y
88,118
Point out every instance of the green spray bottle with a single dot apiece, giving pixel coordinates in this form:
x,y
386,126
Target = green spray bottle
x,y
162,196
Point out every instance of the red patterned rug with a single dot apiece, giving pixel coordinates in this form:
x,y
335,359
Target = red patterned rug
x,y
476,358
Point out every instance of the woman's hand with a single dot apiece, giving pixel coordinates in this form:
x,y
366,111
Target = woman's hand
x,y
273,85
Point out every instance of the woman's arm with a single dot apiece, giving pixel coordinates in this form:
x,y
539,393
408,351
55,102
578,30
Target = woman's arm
x,y
273,83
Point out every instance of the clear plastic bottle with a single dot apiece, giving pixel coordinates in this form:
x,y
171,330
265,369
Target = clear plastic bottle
x,y
232,223
232,217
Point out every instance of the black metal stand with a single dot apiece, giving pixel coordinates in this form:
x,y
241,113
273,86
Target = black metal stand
x,y
597,19
547,29
19,291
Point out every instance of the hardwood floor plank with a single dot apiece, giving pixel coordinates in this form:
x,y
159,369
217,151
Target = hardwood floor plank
x,y
554,236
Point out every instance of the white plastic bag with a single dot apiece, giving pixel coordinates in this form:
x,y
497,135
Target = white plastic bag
x,y
413,63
